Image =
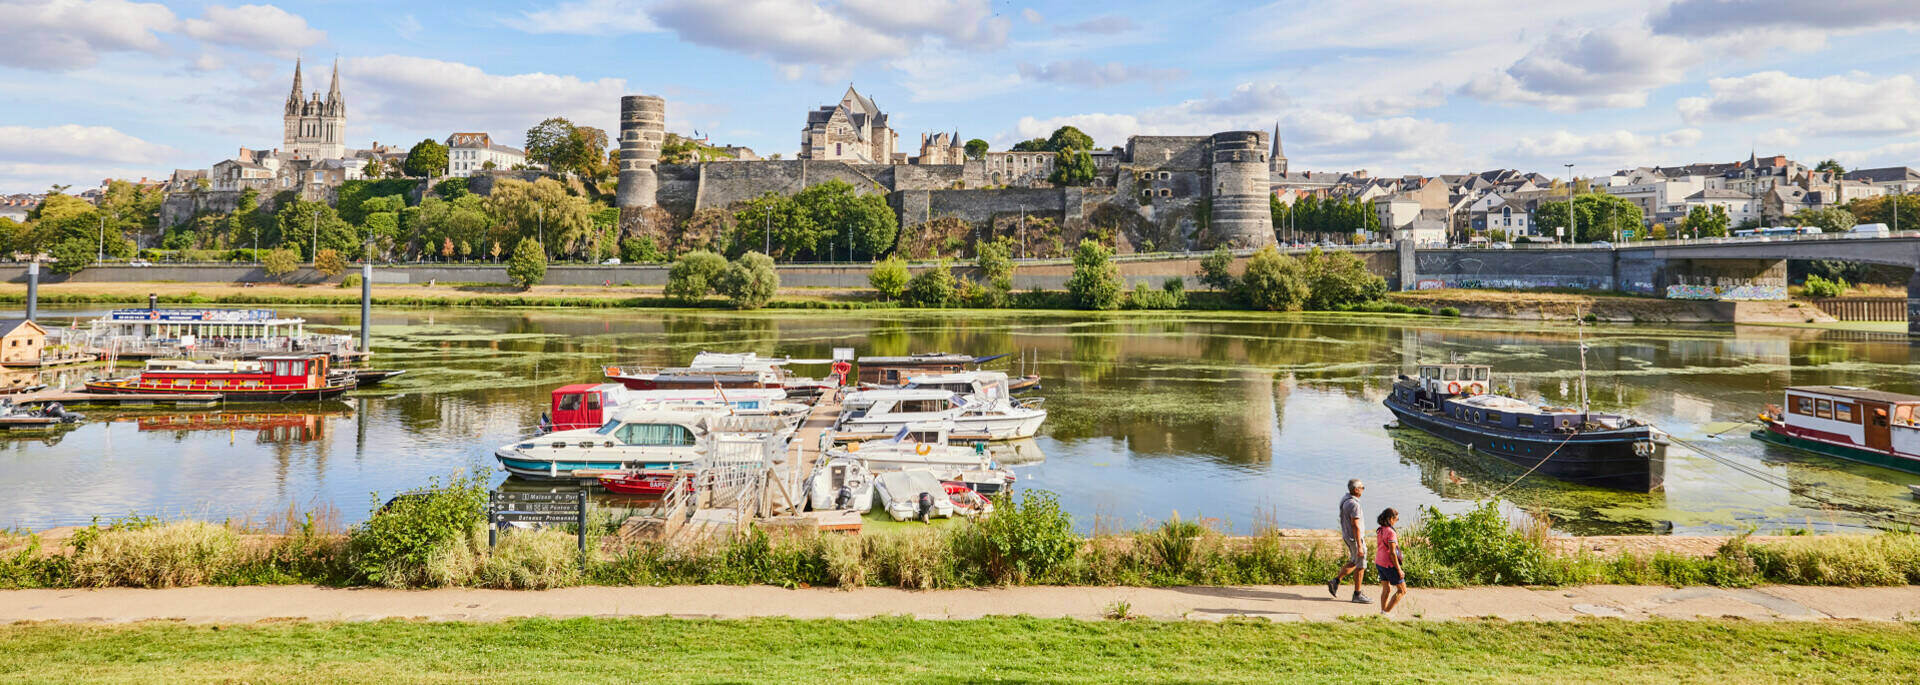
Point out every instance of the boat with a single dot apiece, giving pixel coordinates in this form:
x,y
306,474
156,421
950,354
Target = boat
x,y
839,482
1455,402
1868,426
648,438
365,377
895,371
589,405
912,495
155,333
267,379
723,370
925,446
13,416
360,377
996,414
646,483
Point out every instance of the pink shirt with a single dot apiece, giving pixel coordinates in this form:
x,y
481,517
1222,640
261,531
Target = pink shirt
x,y
1383,547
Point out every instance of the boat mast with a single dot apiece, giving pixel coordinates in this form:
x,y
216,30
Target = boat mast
x,y
1580,324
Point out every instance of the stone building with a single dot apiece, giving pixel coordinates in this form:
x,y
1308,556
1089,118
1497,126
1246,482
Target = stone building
x,y
941,148
316,128
855,130
471,153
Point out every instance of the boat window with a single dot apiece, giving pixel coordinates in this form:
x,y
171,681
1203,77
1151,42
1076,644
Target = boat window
x,y
1480,416
1480,374
1843,411
1524,421
609,428
658,434
1903,414
1430,371
1803,405
1880,417
1451,373
1493,416
593,402
920,406
569,403
1823,409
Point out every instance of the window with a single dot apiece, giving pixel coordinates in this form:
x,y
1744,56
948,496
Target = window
x,y
655,434
1165,192
1480,416
1823,409
921,406
1843,411
1480,374
1903,414
1451,373
593,402
1430,371
1802,405
1165,175
1493,417
1880,417
1524,421
568,403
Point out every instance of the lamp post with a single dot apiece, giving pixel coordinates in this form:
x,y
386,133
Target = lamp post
x,y
314,256
767,249
1023,231
101,254
540,226
1571,234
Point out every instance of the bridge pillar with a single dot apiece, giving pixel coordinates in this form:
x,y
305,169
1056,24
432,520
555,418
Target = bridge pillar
x,y
1913,303
1409,267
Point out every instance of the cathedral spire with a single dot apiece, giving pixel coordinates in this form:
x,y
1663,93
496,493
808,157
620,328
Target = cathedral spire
x,y
294,98
336,103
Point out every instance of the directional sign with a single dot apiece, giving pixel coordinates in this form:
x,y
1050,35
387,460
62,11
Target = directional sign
x,y
553,508
540,507
509,496
535,517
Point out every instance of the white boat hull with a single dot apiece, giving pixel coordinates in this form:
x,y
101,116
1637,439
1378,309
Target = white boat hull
x,y
1019,424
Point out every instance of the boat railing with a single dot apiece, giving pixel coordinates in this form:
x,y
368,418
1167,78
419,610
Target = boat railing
x,y
1029,402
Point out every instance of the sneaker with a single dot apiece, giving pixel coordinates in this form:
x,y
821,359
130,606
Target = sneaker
x,y
1361,599
1333,587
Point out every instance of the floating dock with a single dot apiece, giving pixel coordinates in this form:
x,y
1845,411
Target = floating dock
x,y
101,399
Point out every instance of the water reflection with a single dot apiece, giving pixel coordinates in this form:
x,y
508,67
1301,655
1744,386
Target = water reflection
x,y
1236,416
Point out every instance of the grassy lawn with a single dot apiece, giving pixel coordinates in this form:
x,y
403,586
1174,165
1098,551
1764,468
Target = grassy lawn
x,y
1013,649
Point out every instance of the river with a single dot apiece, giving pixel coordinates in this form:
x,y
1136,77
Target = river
x,y
1244,420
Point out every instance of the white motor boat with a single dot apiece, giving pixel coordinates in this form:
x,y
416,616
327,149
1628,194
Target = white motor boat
x,y
840,483
646,439
913,495
924,446
885,412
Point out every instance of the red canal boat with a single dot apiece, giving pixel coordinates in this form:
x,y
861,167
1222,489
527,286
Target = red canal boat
x,y
268,379
651,483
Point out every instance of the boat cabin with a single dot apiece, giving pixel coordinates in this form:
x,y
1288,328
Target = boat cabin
x,y
932,403
1456,379
896,370
1494,411
589,405
1874,419
985,386
291,372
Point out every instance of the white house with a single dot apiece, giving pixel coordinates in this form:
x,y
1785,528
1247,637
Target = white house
x,y
1396,212
468,153
1740,207
1654,192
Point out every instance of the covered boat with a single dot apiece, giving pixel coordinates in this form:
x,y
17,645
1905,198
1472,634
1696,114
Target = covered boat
x,y
1588,448
998,415
647,483
1868,426
723,370
647,439
590,405
913,495
267,379
840,482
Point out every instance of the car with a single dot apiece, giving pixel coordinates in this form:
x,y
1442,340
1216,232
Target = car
x,y
1502,245
1602,244
612,261
1868,231
139,262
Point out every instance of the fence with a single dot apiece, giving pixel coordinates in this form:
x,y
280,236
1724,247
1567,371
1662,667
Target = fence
x,y
1864,308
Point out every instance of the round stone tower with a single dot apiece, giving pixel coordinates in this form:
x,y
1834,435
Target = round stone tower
x,y
1242,215
643,126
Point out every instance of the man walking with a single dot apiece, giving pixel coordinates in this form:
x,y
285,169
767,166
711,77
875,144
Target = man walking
x,y
1356,562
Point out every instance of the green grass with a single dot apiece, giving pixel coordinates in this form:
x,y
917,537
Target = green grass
x,y
1009,649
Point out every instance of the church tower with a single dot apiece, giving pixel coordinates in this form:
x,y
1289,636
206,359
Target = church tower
x,y
316,128
1277,159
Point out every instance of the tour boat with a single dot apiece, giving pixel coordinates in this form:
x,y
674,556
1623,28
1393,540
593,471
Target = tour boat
x,y
1000,417
589,405
1455,402
1869,426
892,372
647,438
153,333
267,379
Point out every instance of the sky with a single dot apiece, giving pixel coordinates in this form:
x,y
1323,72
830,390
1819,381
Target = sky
x,y
94,89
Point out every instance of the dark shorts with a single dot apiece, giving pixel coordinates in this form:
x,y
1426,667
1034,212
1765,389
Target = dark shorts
x,y
1389,574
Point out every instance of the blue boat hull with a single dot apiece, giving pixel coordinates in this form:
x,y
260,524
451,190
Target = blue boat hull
x,y
1608,459
545,469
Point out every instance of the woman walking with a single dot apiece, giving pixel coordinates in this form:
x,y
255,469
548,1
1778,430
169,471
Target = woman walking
x,y
1388,562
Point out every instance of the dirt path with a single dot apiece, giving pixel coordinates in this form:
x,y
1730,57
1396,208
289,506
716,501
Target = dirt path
x,y
1278,603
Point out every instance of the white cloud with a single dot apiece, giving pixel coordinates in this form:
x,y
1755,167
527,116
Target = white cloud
x,y
1777,138
75,143
1603,149
1852,104
833,36
1031,16
1724,17
1080,72
1603,68
63,35
587,18
434,97
264,28
1682,138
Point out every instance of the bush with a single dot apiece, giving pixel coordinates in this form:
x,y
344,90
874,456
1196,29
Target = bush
x,y
528,265
420,538
1025,539
156,556
351,281
750,282
1821,287
933,287
1273,282
889,277
452,189
693,275
1095,283
1450,311
280,262
641,250
72,255
329,262
1216,269
1479,547
531,560
1339,278
1885,559
1172,294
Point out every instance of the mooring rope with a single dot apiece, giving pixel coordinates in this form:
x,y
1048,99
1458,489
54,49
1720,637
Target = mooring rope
x,y
1536,465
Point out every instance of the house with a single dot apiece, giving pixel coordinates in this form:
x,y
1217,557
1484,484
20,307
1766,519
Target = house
x,y
1896,179
1740,207
1655,191
468,153
21,341
1396,212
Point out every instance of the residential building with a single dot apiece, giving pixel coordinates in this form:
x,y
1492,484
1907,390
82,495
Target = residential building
x,y
1740,207
1396,212
469,153
1897,180
854,130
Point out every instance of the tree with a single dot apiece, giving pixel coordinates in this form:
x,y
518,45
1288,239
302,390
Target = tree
x,y
1031,145
778,222
1831,166
1880,210
641,250
1705,221
280,262
528,265
1339,279
564,147
1068,138
1658,232
1216,269
931,288
375,168
452,189
71,255
1827,219
329,262
1072,167
976,148
427,158
300,224
542,211
1095,283
889,277
693,275
1273,281
1597,216
750,281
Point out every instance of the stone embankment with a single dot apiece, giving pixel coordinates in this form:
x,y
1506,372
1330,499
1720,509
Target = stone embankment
x,y
1561,306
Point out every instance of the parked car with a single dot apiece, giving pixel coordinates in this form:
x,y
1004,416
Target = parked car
x,y
1502,245
139,262
612,261
1602,244
1868,231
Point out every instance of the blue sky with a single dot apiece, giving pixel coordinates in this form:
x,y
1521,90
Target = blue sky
x,y
91,89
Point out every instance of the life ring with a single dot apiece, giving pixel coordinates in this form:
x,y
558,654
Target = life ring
x,y
1475,389
923,449
613,370
1453,388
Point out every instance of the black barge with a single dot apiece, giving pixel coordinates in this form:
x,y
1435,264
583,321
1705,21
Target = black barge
x,y
1455,402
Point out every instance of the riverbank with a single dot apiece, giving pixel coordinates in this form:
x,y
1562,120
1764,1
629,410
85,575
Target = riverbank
x,y
898,649
1534,305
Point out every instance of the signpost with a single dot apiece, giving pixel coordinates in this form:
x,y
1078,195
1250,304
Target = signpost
x,y
546,508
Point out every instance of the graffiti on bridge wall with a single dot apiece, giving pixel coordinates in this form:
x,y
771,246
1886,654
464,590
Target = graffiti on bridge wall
x,y
1519,283
1748,291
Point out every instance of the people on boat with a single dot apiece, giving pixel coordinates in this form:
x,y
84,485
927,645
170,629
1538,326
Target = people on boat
x,y
1356,562
1388,562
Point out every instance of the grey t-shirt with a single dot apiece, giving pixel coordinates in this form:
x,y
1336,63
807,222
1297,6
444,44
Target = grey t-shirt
x,y
1349,510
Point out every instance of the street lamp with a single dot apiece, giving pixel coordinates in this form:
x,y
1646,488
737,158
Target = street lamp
x,y
540,225
314,256
1571,234
101,255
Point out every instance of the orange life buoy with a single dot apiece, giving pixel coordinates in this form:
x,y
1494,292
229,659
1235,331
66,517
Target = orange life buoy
x,y
613,370
1453,388
1474,389
923,449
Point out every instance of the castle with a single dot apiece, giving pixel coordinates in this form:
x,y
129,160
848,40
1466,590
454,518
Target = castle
x,y
1173,192
316,128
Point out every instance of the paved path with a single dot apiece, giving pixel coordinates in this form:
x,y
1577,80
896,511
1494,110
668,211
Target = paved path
x,y
1279,603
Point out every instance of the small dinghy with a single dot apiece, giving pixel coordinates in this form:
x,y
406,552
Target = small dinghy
x,y
913,495
840,483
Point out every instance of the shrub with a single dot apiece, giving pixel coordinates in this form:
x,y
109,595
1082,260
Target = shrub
x,y
72,255
420,538
933,287
1339,278
528,265
329,262
750,282
1479,547
280,262
1450,311
1273,281
641,250
351,281
1216,269
1172,294
531,560
156,556
693,275
889,277
1821,287
452,189
1023,539
1885,559
1095,283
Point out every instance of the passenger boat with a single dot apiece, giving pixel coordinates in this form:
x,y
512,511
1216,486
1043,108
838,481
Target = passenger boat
x,y
268,379
646,438
1000,417
1454,402
1869,426
590,405
153,333
894,371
